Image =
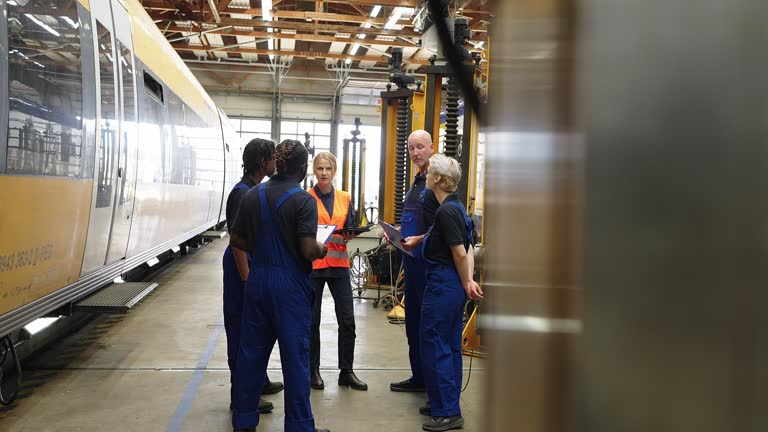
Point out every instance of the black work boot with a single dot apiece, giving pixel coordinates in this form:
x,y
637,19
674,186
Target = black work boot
x,y
406,386
438,424
271,387
348,378
426,410
315,380
265,406
322,430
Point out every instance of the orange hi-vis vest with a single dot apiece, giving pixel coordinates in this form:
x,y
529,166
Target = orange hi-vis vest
x,y
337,247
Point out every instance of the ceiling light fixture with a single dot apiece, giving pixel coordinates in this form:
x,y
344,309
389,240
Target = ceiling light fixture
x,y
392,22
74,25
353,50
266,10
43,25
375,11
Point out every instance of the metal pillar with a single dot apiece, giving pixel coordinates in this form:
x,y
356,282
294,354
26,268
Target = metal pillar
x,y
335,119
353,175
279,69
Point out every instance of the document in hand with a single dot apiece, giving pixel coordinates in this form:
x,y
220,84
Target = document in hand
x,y
394,236
324,232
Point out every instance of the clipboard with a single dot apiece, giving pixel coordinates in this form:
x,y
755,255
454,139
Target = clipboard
x,y
394,236
324,232
355,231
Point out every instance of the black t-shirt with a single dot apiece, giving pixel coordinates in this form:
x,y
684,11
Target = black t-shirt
x,y
430,203
297,218
233,201
449,230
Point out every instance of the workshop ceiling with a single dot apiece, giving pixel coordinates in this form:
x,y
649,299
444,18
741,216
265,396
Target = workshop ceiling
x,y
309,35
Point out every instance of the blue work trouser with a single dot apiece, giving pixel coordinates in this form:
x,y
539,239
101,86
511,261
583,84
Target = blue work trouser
x,y
414,280
441,326
233,313
278,306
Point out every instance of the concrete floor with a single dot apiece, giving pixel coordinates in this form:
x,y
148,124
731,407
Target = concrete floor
x,y
147,370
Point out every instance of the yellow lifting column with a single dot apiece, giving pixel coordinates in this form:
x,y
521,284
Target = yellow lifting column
x,y
396,125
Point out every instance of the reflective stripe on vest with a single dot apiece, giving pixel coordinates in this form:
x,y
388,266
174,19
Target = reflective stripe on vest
x,y
337,247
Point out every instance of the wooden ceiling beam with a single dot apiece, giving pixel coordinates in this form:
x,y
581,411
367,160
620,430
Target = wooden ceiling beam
x,y
320,16
359,10
301,15
403,3
307,37
222,5
297,53
181,6
294,25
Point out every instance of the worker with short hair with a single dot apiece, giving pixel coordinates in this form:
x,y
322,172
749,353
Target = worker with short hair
x,y
449,256
418,212
277,224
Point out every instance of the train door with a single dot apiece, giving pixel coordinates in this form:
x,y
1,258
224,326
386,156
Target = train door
x,y
127,155
111,190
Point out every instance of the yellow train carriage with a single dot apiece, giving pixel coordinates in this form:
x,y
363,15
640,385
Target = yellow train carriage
x,y
111,151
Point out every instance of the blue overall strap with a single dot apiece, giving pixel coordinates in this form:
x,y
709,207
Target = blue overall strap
x,y
424,249
467,221
241,185
289,193
269,215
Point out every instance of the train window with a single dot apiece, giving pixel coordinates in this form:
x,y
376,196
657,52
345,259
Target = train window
x,y
153,87
179,139
108,125
3,85
129,110
45,89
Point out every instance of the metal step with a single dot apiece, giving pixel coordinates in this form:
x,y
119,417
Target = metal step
x,y
115,298
214,234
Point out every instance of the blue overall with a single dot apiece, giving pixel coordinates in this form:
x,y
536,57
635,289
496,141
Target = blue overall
x,y
441,326
278,306
414,278
233,305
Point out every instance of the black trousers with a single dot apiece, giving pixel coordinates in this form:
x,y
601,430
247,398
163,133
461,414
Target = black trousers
x,y
341,290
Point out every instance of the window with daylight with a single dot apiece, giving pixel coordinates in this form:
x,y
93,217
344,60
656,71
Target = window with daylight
x,y
319,135
250,128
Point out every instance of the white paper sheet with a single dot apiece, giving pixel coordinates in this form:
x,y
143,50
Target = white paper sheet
x,y
324,232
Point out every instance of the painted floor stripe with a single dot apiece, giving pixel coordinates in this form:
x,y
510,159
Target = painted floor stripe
x,y
185,404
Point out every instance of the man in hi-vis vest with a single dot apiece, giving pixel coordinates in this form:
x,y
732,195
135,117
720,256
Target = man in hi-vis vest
x,y
333,208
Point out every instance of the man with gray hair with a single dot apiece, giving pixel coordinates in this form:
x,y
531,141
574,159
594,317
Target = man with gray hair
x,y
418,214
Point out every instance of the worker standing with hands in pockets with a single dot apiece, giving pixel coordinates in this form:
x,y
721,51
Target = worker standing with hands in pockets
x,y
258,162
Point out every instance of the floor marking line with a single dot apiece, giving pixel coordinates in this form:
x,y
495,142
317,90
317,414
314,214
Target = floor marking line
x,y
185,404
